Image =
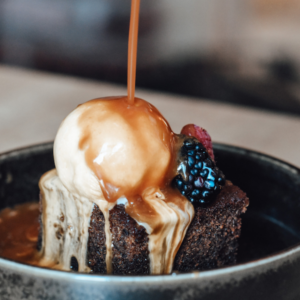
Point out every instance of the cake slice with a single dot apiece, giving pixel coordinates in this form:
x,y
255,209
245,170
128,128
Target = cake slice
x,y
211,240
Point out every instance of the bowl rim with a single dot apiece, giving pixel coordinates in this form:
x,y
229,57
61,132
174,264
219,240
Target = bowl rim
x,y
283,255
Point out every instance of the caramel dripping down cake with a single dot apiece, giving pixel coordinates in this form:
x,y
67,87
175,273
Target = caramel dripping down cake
x,y
130,197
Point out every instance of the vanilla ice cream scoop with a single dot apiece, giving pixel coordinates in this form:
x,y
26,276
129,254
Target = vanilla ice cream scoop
x,y
108,147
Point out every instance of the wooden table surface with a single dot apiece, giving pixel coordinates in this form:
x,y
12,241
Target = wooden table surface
x,y
32,105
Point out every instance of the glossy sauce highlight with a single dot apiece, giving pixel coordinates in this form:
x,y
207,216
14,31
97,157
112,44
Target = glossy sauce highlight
x,y
19,229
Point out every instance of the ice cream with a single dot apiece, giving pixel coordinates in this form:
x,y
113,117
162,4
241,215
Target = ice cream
x,y
107,146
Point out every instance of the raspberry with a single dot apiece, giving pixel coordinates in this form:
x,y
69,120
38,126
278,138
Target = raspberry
x,y
201,135
198,178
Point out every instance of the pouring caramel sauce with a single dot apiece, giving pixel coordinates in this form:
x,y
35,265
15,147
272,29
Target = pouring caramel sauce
x,y
132,49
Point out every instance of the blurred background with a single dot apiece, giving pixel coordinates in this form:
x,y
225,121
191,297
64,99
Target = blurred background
x,y
244,52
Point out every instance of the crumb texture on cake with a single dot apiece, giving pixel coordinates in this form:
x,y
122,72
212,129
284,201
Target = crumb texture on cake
x,y
130,254
212,238
96,242
129,244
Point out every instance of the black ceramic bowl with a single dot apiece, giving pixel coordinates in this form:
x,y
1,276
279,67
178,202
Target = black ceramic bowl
x,y
269,254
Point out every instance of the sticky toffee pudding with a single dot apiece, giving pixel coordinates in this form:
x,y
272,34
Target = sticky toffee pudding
x,y
128,196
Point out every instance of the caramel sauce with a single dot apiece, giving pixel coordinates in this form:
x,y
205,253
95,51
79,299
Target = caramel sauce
x,y
132,49
19,229
148,148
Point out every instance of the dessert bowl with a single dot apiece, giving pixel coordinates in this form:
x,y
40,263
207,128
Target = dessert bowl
x,y
269,253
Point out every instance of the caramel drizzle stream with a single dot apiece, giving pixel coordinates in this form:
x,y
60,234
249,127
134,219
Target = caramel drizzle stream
x,y
132,49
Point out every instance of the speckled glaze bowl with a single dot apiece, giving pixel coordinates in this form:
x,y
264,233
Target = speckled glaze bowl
x,y
268,260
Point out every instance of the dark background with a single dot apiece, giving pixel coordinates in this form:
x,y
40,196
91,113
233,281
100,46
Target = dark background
x,y
244,52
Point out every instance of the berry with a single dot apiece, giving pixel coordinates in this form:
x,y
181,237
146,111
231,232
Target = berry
x,y
198,178
202,136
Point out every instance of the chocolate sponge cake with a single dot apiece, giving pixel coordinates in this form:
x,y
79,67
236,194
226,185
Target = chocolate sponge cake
x,y
130,244
130,254
96,243
211,240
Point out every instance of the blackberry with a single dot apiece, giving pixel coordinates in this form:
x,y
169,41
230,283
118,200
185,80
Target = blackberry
x,y
198,177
